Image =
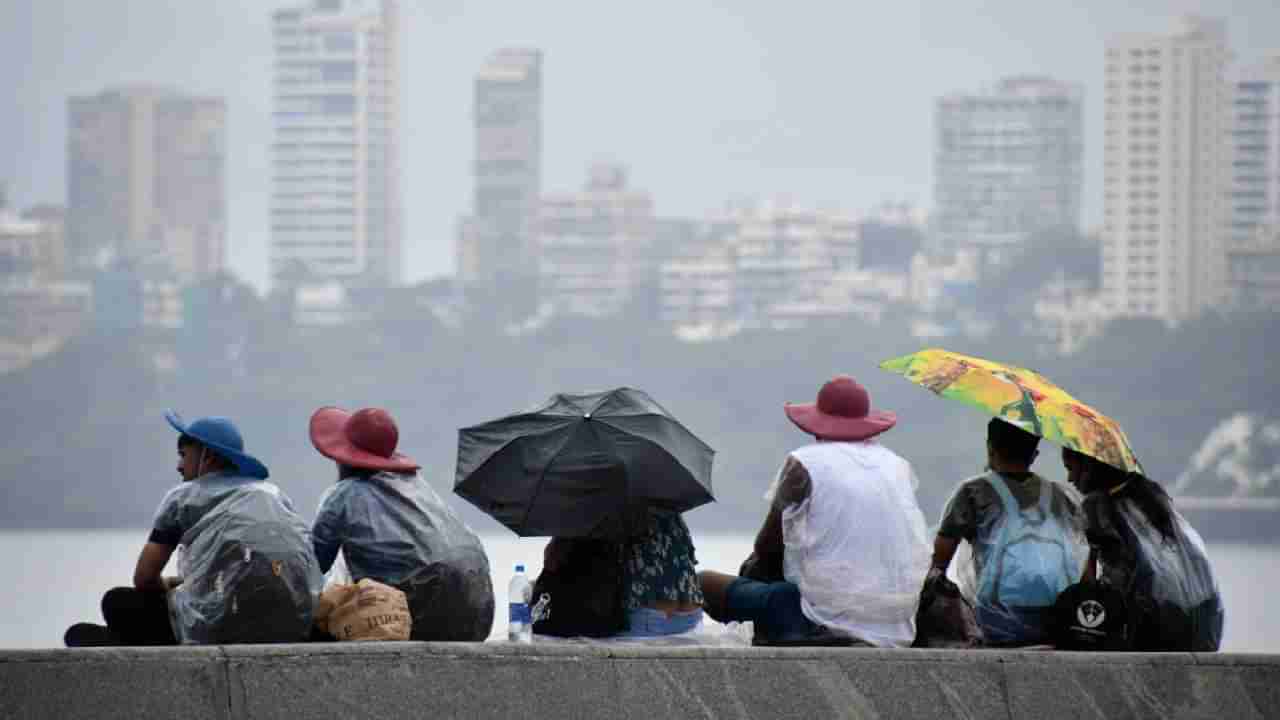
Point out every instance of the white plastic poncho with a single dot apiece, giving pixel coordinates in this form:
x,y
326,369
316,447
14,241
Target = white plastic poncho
x,y
856,547
248,569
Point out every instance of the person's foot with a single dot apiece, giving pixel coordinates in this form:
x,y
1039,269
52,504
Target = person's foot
x,y
89,635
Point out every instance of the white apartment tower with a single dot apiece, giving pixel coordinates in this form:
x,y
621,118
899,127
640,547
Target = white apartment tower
x,y
335,204
1166,164
1008,165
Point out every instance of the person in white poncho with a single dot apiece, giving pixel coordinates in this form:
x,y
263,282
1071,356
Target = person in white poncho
x,y
843,550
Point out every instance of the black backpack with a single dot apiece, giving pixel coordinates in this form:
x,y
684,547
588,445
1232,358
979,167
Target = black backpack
x,y
586,595
1091,616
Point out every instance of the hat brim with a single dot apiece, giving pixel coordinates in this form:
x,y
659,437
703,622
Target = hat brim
x,y
330,440
245,463
810,419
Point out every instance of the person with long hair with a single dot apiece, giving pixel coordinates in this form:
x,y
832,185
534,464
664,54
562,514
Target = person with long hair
x,y
1141,546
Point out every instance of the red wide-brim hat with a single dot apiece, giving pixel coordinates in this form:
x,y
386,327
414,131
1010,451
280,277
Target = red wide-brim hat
x,y
842,412
364,439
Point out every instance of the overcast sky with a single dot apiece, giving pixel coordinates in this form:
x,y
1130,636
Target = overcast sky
x,y
829,103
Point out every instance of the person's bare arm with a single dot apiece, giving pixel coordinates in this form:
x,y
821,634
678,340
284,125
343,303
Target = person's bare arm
x,y
944,548
769,539
794,488
957,523
151,562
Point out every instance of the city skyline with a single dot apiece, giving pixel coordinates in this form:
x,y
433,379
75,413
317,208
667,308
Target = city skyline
x,y
695,127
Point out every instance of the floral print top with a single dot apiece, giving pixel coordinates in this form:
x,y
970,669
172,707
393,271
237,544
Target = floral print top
x,y
660,565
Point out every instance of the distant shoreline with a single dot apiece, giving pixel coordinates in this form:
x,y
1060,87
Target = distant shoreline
x,y
1233,519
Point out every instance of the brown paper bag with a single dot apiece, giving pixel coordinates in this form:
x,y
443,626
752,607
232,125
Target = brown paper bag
x,y
367,610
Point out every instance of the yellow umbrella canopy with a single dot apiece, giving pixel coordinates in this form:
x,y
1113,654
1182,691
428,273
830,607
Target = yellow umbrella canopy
x,y
1022,397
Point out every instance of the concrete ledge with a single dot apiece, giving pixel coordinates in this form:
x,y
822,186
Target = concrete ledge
x,y
401,680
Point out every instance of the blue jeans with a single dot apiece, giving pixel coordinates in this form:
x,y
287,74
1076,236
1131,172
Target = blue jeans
x,y
773,607
647,623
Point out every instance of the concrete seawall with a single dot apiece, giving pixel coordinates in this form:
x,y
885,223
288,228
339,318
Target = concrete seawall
x,y
398,681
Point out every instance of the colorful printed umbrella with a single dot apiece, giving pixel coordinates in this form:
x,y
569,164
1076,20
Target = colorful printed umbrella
x,y
1021,396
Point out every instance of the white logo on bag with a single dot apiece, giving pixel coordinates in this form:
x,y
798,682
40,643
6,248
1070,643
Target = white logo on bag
x,y
1091,614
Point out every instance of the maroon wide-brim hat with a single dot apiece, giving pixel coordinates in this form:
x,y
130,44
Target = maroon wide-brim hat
x,y
842,412
364,439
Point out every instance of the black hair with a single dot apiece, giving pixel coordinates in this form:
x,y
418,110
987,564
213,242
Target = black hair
x,y
219,460
350,471
1147,494
1011,442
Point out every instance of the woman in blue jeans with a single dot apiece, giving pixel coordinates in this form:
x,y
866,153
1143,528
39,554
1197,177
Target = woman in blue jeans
x,y
662,595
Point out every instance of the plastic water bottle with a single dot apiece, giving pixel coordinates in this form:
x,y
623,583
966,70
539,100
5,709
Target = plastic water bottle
x,y
520,625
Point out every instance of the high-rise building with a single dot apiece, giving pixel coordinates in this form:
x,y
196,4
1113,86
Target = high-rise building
x,y
1008,164
1166,169
1255,150
335,203
497,245
145,179
594,246
1253,249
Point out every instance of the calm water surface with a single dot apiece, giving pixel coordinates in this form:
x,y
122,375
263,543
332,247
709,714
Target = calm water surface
x,y
58,577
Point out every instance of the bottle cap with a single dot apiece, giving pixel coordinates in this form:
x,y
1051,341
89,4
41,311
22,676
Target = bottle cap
x,y
519,567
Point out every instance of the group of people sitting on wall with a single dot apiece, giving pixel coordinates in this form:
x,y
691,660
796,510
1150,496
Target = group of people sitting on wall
x,y
843,555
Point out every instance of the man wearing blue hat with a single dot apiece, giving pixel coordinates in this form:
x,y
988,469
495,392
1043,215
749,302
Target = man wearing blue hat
x,y
248,571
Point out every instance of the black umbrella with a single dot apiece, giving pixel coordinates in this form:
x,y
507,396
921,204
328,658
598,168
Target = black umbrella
x,y
583,465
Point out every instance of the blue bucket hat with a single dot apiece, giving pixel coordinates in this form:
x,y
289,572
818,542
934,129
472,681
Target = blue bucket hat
x,y
219,433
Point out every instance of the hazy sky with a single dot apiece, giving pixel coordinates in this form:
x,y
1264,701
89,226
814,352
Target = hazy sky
x,y
829,103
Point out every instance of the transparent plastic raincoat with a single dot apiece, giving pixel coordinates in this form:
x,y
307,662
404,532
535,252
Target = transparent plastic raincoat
x,y
1173,598
248,570
1019,558
394,528
856,547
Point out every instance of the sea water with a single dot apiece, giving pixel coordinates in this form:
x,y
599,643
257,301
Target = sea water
x,y
57,577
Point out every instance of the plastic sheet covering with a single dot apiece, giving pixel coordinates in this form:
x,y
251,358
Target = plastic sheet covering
x,y
394,528
1171,589
249,573
1021,560
857,548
